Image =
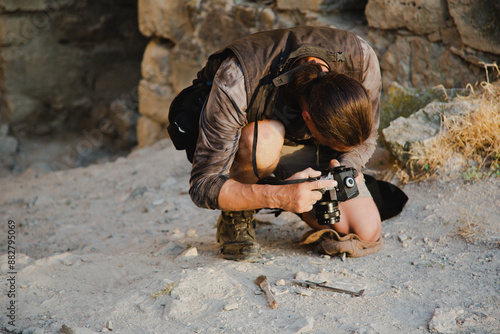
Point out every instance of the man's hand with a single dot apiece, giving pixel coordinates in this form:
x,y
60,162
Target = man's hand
x,y
336,163
301,197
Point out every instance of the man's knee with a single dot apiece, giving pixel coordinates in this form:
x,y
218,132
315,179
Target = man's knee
x,y
270,140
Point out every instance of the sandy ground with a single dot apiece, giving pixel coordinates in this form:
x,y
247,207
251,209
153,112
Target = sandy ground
x,y
120,247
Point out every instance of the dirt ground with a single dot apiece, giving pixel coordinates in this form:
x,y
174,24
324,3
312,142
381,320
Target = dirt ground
x,y
120,247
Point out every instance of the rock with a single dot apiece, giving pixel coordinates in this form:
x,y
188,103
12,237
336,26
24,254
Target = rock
x,y
20,5
155,65
149,131
477,23
420,16
154,100
186,65
41,167
403,134
304,292
8,145
191,233
402,64
443,321
109,325
404,101
65,329
166,19
170,247
4,130
231,307
190,252
177,234
281,282
301,325
298,4
321,5
402,237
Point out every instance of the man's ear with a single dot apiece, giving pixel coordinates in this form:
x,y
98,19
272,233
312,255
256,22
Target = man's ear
x,y
307,117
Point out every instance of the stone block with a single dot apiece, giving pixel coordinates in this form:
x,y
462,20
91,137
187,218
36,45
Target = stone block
x,y
322,5
20,107
312,5
344,5
38,5
421,127
402,101
8,145
18,30
149,131
451,36
267,18
419,16
477,23
183,73
414,61
154,101
23,5
155,65
166,19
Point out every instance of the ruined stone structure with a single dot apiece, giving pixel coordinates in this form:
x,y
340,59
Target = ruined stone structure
x,y
420,43
70,63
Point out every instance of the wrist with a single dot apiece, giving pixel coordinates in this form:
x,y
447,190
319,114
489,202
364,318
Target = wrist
x,y
269,196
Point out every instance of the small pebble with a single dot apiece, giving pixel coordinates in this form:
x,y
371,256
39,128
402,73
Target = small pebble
x,y
190,252
304,292
230,307
402,237
281,282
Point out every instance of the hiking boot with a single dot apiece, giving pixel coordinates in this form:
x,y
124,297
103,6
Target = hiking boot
x,y
236,236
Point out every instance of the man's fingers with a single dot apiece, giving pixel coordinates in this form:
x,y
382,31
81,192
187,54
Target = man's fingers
x,y
309,172
359,178
334,163
320,184
305,174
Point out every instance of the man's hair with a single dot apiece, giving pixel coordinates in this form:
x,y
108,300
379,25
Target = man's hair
x,y
338,104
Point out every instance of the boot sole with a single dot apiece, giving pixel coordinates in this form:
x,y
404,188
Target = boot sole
x,y
241,252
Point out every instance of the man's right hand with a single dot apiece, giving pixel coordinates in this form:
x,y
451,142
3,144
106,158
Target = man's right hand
x,y
301,197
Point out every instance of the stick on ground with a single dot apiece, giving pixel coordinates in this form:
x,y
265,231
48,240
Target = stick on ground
x,y
264,285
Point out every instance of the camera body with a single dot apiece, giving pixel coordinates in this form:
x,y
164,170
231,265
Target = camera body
x,y
326,210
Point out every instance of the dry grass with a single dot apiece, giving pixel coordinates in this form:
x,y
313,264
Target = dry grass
x,y
469,226
475,136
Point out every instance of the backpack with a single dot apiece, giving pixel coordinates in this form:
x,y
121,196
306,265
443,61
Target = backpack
x,y
185,109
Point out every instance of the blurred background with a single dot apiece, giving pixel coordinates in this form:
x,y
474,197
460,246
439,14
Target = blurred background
x,y
86,81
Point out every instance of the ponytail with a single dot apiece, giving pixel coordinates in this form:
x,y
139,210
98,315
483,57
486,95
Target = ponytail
x,y
305,77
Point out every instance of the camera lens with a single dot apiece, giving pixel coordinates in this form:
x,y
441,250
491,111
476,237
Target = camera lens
x,y
327,212
349,182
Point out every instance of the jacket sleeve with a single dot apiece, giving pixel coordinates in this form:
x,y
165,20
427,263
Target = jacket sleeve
x,y
221,121
358,156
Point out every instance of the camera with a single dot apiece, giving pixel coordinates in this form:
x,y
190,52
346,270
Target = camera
x,y
326,210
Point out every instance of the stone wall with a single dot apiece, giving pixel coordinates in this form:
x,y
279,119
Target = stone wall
x,y
63,62
420,43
